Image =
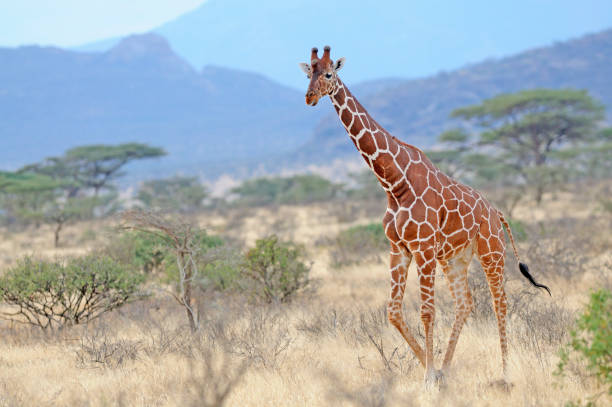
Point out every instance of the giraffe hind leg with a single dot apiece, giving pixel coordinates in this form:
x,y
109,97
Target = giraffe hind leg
x,y
492,261
455,271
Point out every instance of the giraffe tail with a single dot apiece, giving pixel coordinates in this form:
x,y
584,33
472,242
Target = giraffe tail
x,y
522,266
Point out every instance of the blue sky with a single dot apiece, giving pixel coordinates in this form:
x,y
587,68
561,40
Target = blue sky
x,y
417,37
74,22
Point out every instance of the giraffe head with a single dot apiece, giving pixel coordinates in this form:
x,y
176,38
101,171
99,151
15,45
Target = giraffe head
x,y
323,75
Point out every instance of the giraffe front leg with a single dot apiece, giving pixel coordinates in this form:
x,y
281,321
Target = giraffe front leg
x,y
426,264
399,262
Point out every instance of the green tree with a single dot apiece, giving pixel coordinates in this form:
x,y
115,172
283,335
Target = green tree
x,y
184,194
37,198
527,128
459,157
455,146
94,166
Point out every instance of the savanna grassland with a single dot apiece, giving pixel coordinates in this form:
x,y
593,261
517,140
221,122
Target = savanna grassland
x,y
331,343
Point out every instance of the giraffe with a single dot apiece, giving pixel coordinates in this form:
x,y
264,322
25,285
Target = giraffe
x,y
430,218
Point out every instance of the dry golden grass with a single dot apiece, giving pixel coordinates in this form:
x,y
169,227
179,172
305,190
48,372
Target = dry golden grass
x,y
324,348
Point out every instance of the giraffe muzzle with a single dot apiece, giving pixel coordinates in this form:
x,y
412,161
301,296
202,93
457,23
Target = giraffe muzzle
x,y
311,99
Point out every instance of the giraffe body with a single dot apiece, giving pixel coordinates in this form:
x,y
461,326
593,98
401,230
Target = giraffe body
x,y
430,218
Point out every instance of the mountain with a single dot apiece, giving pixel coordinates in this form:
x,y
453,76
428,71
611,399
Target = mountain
x,y
394,38
140,90
417,111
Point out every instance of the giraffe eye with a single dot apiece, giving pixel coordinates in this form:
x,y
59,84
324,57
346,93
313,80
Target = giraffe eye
x,y
328,75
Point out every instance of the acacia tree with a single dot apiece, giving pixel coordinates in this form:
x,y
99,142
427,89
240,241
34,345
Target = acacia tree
x,y
527,128
180,237
93,166
459,156
450,158
36,198
67,188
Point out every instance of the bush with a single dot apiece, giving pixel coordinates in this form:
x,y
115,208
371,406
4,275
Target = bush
x,y
359,243
298,189
183,194
138,250
591,341
222,272
274,270
150,252
55,294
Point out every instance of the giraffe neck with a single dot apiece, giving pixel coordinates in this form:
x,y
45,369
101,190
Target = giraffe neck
x,y
377,147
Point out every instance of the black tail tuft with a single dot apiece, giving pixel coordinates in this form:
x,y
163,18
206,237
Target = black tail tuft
x,y
525,272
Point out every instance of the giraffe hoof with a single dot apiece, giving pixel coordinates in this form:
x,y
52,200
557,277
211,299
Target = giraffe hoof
x,y
435,378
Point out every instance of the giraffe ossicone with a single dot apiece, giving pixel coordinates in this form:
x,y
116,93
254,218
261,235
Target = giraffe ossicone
x,y
430,218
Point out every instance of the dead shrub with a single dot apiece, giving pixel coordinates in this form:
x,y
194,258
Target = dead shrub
x,y
100,351
262,337
328,324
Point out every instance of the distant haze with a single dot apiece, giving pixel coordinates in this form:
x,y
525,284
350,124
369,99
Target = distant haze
x,y
222,121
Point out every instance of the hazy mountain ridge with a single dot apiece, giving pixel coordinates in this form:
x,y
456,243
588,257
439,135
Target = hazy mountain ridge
x,y
140,90
417,111
395,38
219,120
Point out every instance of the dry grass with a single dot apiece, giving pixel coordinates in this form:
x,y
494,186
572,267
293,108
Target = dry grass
x,y
331,347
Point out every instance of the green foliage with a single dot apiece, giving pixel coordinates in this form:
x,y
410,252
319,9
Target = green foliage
x,y
359,243
534,102
143,251
273,270
93,166
456,148
66,188
56,294
530,130
222,272
299,189
183,194
149,252
35,198
591,341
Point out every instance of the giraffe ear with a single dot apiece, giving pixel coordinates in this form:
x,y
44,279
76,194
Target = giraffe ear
x,y
306,68
339,64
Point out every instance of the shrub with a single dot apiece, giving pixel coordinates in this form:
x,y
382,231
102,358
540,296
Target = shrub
x,y
142,250
591,341
98,350
56,294
222,271
358,243
298,189
183,194
274,270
